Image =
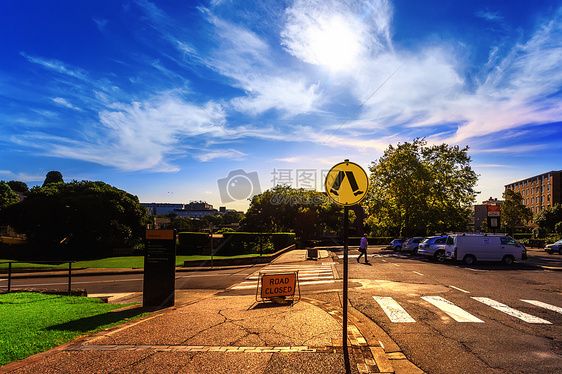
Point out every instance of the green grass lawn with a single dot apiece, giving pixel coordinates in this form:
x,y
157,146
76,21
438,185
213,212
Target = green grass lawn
x,y
125,262
32,322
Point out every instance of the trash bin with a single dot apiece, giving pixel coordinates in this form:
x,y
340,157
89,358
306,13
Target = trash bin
x,y
312,253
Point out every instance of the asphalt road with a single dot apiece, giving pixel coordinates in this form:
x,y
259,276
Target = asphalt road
x,y
484,339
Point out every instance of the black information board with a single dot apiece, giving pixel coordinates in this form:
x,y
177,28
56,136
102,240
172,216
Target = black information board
x,y
159,268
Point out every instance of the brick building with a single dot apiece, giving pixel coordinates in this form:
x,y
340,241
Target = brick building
x,y
539,191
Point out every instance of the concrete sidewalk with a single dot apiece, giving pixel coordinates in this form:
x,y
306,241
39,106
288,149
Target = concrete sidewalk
x,y
225,334
230,332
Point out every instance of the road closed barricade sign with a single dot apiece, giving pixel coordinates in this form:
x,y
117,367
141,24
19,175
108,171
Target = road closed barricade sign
x,y
274,285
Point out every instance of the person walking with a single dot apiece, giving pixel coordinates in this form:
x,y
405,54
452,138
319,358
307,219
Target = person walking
x,y
363,248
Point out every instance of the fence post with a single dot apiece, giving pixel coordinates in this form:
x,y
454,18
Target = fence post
x,y
69,278
9,275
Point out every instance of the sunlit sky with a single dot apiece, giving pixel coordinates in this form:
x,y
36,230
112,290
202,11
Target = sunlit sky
x,y
176,101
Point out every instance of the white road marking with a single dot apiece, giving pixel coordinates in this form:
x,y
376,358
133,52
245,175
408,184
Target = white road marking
x,y
418,273
393,310
451,309
307,275
544,305
459,289
247,285
510,311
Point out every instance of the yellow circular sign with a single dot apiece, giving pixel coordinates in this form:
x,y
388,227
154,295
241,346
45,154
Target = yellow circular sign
x,y
347,183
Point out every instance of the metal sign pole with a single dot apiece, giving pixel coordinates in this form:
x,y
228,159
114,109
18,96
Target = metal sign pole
x,y
345,264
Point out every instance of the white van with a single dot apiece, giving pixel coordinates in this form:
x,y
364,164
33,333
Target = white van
x,y
471,248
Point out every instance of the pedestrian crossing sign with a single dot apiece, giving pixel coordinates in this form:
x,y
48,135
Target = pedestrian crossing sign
x,y
347,183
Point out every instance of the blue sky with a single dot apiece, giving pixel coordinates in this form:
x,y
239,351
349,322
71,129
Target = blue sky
x,y
169,100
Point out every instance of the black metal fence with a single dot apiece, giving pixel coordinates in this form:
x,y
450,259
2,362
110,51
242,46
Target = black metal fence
x,y
31,270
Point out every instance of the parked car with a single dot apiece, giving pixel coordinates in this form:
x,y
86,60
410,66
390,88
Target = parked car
x,y
396,244
554,247
433,247
411,245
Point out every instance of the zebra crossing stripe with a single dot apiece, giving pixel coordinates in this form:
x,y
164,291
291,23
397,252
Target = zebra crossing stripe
x,y
510,311
544,305
451,309
393,310
307,275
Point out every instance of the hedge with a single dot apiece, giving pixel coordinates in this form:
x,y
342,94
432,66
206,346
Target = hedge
x,y
282,240
190,243
235,243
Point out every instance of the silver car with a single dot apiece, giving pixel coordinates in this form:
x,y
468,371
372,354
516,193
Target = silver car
x,y
554,247
433,247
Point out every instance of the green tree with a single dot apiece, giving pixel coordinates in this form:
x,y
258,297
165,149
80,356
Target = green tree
x,y
53,177
18,186
78,219
549,217
513,211
417,189
232,217
7,195
285,209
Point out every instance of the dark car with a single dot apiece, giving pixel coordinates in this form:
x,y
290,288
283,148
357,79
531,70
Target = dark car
x,y
411,245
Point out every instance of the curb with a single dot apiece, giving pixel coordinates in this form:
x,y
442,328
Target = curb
x,y
365,338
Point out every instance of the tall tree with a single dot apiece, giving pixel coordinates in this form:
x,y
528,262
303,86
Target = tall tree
x,y
417,189
513,211
53,177
549,217
7,196
18,186
79,219
285,209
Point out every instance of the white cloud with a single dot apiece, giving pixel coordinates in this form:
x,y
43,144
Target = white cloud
x,y
57,66
208,155
65,103
290,96
139,135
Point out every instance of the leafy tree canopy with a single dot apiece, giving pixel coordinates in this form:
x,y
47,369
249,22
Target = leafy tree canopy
x,y
53,177
18,186
7,195
549,217
416,189
88,218
513,211
285,209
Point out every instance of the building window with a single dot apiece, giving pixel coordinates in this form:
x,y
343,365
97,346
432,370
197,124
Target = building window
x,y
548,187
548,198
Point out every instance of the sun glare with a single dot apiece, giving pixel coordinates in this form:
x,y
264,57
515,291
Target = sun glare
x,y
334,44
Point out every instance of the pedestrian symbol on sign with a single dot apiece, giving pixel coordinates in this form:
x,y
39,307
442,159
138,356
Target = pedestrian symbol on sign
x,y
352,182
350,192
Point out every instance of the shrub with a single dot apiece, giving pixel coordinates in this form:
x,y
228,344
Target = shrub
x,y
190,243
282,240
